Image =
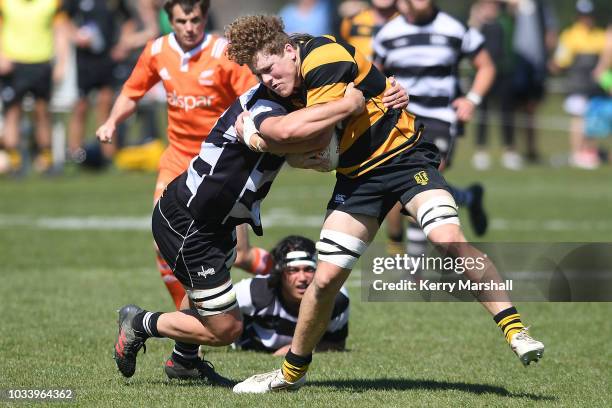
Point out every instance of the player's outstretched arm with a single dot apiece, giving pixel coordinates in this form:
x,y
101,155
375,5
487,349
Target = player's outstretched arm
x,y
122,109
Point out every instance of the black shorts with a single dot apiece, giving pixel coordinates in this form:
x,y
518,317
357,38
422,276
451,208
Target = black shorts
x,y
200,259
528,81
94,72
24,79
399,179
440,134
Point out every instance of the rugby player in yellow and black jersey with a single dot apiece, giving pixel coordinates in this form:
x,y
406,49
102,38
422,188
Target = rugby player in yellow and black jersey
x,y
383,160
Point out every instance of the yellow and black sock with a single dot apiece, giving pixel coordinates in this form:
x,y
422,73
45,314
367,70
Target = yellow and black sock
x,y
509,321
295,367
15,160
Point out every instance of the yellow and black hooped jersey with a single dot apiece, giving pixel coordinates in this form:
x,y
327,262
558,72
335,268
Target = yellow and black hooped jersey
x,y
372,137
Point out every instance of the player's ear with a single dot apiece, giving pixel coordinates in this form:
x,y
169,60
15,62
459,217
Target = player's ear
x,y
289,50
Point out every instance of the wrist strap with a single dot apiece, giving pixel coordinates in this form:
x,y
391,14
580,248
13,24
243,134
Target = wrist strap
x,y
474,98
249,131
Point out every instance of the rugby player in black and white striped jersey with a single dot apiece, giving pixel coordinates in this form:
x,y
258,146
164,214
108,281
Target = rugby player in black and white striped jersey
x,y
194,226
270,304
423,47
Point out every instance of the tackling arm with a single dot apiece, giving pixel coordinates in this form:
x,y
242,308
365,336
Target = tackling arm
x,y
305,124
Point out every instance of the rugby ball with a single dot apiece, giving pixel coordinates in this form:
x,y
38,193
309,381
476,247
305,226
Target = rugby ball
x,y
324,160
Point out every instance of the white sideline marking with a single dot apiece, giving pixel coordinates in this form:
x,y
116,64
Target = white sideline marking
x,y
278,218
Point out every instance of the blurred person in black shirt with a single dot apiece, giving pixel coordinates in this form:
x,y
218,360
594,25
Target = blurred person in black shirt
x,y
95,32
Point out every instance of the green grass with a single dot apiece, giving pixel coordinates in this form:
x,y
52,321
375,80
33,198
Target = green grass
x,y
60,289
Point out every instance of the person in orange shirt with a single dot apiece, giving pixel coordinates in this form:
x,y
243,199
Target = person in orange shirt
x,y
200,83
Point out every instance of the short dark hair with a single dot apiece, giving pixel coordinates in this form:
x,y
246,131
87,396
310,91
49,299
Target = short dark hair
x,y
187,6
280,251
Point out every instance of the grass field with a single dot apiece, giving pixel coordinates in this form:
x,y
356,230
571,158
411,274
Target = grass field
x,y
74,249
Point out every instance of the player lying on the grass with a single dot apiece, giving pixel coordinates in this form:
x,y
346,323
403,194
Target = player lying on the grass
x,y
383,160
270,304
194,226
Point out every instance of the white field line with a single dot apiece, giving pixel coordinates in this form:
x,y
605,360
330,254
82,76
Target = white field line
x,y
278,218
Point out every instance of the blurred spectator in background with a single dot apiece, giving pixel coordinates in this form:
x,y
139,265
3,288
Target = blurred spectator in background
x,y
134,23
598,118
422,49
360,29
578,52
535,36
350,8
599,112
34,53
308,16
496,24
95,31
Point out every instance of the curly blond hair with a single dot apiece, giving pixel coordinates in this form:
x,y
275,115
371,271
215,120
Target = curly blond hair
x,y
251,34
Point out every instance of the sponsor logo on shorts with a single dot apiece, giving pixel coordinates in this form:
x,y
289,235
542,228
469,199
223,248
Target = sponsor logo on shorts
x,y
421,178
340,198
207,272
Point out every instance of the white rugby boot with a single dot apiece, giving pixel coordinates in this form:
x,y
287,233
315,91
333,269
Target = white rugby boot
x,y
268,382
526,348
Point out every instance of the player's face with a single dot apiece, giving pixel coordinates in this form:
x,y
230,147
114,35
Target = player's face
x,y
295,282
383,4
420,6
278,72
188,28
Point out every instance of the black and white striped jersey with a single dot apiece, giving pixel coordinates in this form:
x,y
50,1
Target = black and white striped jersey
x,y
268,326
424,58
225,184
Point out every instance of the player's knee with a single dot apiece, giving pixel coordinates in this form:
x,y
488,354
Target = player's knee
x,y
445,234
439,218
327,280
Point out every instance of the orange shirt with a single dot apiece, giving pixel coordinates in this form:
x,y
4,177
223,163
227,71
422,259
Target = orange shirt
x,y
200,85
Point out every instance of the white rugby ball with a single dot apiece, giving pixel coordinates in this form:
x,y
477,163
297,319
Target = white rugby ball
x,y
324,160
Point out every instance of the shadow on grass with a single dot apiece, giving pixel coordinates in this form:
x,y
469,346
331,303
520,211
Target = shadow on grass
x,y
375,384
397,384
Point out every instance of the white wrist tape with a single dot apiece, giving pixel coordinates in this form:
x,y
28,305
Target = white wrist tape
x,y
248,131
474,98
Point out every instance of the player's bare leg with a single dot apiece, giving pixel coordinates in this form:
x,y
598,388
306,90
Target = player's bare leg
x,y
436,212
188,328
335,263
